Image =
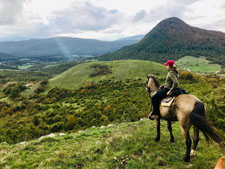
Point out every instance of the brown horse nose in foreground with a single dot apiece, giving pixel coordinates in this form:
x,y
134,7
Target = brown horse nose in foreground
x,y
220,163
189,111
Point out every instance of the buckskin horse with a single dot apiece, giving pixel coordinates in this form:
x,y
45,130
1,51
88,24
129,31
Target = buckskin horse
x,y
189,111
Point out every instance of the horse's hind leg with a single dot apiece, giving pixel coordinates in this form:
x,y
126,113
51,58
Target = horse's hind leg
x,y
188,143
169,126
195,140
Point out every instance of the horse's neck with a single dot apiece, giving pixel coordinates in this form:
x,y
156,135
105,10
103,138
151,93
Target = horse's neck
x,y
152,86
153,92
154,89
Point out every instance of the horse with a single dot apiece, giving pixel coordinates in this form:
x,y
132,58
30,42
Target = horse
x,y
189,111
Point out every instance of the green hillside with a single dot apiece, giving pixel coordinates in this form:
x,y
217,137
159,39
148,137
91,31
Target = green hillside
x,y
128,145
199,65
114,70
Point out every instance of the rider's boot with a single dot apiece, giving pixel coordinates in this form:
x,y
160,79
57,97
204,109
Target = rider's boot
x,y
155,113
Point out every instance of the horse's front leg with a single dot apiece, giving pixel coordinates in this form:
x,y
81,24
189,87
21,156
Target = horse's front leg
x,y
169,126
158,130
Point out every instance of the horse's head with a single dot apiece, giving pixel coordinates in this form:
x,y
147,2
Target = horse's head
x,y
151,84
147,87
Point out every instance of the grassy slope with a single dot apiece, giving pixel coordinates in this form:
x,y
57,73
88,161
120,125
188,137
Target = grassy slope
x,y
199,65
121,70
127,145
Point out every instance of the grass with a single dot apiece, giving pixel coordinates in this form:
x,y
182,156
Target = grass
x,y
26,66
128,145
198,65
121,70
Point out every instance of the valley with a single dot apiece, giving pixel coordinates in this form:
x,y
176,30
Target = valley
x,y
82,103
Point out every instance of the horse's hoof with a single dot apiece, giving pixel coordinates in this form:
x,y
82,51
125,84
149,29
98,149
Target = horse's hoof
x,y
192,154
187,159
157,139
172,141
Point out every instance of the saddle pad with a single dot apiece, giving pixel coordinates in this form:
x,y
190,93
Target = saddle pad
x,y
167,102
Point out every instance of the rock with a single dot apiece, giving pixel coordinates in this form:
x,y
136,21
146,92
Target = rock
x,y
51,135
42,137
62,134
22,142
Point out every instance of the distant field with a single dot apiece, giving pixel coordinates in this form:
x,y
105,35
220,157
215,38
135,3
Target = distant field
x,y
26,66
198,65
120,70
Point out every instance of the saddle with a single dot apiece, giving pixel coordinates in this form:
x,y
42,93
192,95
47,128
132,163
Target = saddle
x,y
167,102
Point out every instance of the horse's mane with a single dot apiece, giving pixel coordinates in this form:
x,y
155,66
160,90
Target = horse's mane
x,y
155,81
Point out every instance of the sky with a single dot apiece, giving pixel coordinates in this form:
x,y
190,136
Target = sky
x,y
102,19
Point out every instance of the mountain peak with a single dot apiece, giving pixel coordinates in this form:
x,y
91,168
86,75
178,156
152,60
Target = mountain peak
x,y
172,38
172,23
173,20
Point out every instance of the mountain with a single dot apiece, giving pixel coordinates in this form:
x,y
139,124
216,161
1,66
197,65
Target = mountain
x,y
136,38
172,38
62,46
4,57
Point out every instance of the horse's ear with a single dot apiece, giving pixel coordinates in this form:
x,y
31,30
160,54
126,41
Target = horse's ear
x,y
152,75
147,75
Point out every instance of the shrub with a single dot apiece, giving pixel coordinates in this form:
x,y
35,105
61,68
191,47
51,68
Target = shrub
x,y
70,122
36,120
186,75
44,82
56,127
40,89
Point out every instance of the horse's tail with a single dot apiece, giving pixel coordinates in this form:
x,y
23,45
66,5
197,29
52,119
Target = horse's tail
x,y
199,120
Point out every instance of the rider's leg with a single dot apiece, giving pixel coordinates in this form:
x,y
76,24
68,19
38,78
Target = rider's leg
x,y
156,99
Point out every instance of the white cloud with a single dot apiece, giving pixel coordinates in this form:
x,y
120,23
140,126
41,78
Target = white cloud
x,y
85,18
102,19
207,14
11,11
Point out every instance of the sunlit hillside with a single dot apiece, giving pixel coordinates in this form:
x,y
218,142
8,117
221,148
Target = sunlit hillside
x,y
198,65
97,71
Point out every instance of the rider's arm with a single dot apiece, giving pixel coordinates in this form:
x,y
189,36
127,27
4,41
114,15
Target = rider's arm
x,y
174,79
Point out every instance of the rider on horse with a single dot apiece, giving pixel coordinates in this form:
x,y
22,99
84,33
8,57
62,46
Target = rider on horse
x,y
166,89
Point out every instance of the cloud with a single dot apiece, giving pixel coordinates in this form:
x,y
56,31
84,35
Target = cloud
x,y
217,25
101,18
172,8
10,11
86,17
140,15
